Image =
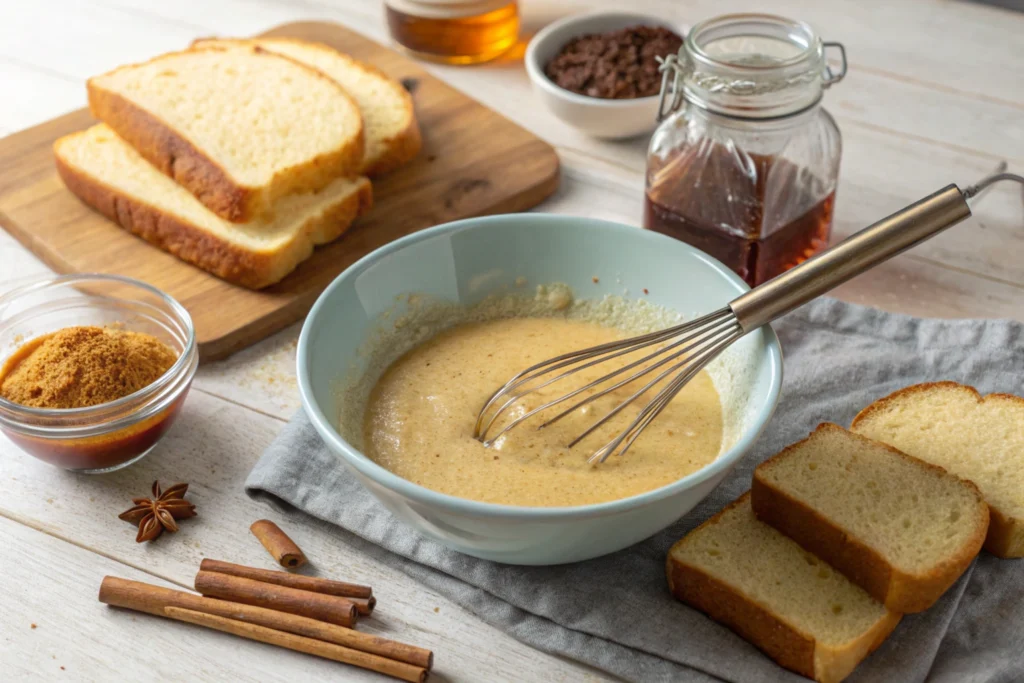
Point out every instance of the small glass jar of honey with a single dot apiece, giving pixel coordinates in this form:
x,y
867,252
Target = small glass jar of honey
x,y
454,31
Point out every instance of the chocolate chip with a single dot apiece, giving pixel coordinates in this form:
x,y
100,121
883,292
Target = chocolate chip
x,y
616,65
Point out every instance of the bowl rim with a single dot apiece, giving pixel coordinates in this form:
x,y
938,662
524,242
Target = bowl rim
x,y
536,71
463,506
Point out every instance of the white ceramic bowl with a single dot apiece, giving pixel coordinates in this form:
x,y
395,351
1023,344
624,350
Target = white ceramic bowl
x,y
601,118
465,262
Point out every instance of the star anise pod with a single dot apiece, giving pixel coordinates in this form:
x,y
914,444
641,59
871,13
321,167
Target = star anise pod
x,y
155,514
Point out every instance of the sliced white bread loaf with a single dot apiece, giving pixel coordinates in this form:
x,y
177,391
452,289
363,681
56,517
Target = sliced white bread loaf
x,y
898,527
389,121
803,614
109,175
238,129
980,438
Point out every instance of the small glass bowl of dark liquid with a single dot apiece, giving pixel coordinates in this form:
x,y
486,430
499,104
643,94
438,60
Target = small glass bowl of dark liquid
x,y
745,165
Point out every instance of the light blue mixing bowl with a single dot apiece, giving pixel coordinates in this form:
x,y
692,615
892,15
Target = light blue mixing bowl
x,y
465,262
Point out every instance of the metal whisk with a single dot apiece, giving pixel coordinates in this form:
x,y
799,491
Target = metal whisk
x,y
682,351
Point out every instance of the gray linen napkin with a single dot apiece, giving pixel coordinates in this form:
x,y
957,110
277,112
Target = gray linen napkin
x,y
615,612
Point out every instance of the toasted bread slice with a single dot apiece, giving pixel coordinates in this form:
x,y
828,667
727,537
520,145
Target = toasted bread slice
x,y
391,132
803,614
109,175
898,527
980,438
238,129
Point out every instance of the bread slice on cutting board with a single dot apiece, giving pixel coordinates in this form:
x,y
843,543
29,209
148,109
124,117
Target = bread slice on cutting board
x,y
389,121
900,528
980,438
802,613
109,175
238,129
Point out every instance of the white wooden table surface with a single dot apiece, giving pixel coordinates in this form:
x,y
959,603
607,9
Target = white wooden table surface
x,y
935,94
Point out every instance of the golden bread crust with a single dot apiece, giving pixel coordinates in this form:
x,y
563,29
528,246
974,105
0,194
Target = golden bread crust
x,y
176,156
861,564
785,644
780,641
832,665
190,243
1005,533
924,387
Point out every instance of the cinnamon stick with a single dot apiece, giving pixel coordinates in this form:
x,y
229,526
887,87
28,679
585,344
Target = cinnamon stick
x,y
329,608
277,543
144,597
316,584
364,605
390,667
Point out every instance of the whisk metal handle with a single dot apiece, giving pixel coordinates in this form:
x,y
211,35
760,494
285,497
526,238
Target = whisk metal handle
x,y
854,255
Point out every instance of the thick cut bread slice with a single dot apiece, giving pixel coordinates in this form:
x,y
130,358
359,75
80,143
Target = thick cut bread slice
x,y
798,610
106,173
238,129
389,122
975,437
898,527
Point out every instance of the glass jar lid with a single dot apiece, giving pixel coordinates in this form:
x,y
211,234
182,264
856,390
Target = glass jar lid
x,y
755,66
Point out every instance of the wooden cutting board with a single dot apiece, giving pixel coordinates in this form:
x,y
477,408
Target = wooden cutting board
x,y
474,162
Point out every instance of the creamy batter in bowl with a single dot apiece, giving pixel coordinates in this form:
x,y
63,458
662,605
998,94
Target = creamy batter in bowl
x,y
403,294
418,422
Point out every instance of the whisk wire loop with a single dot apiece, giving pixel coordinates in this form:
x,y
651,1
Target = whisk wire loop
x,y
551,365
662,399
714,335
649,357
681,347
593,354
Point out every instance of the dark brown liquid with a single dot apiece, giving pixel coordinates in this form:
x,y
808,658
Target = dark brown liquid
x,y
756,214
102,451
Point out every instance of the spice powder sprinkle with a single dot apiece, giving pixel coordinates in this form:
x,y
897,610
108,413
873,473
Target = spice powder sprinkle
x,y
77,367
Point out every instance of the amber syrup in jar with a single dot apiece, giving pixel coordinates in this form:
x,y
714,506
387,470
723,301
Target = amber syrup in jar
x,y
745,162
758,227
454,31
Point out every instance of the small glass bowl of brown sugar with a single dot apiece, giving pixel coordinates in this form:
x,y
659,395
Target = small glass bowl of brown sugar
x,y
94,369
598,71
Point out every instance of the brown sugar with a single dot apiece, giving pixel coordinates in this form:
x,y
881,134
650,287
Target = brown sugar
x,y
83,366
